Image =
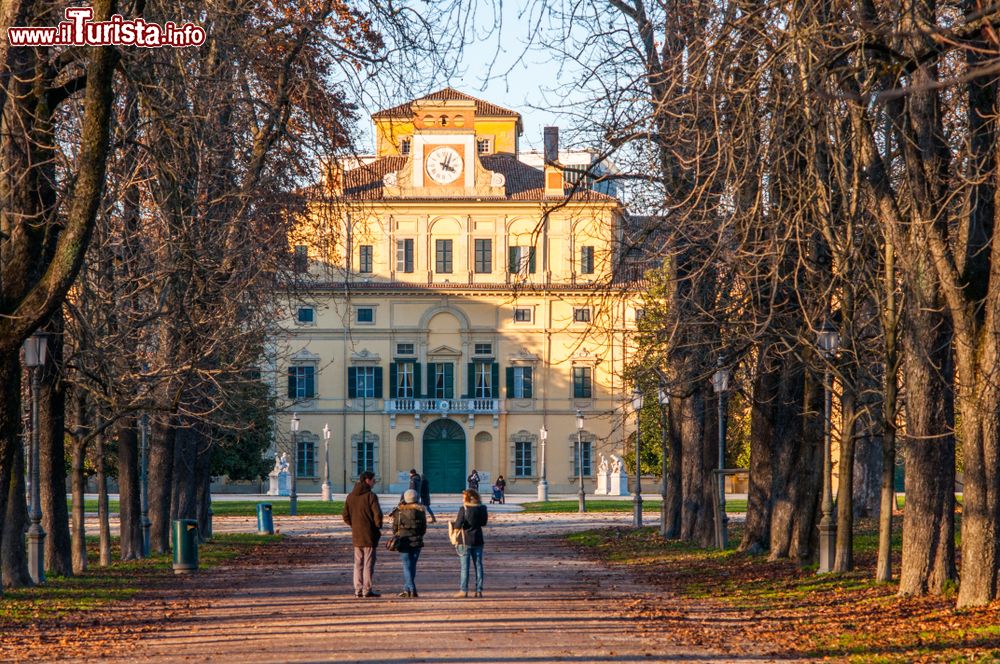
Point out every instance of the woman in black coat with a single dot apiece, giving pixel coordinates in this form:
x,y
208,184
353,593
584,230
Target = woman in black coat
x,y
410,525
470,520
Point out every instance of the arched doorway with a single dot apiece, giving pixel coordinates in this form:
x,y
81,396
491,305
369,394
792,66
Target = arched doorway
x,y
444,456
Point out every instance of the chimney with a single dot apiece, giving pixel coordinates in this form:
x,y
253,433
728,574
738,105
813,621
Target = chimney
x,y
334,176
553,171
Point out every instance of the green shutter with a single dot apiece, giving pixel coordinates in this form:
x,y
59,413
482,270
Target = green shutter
x,y
470,386
531,260
417,387
378,383
393,380
431,379
512,262
291,383
510,382
527,382
495,381
352,382
449,381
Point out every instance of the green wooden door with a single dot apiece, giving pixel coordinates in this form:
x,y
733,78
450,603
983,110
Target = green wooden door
x,y
444,456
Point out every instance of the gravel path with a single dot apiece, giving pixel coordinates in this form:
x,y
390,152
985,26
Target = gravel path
x,y
543,603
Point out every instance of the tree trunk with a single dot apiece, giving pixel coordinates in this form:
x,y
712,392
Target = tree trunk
x,y
697,518
161,465
10,434
203,492
757,533
674,475
52,451
129,507
844,558
928,564
79,543
15,555
103,511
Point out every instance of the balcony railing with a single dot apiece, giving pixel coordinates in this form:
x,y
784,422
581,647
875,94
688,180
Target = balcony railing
x,y
457,406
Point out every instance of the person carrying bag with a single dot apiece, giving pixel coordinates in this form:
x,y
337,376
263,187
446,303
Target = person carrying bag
x,y
466,533
409,527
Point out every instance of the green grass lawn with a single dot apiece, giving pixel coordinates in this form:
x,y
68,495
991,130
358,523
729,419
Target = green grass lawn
x,y
648,506
249,507
99,586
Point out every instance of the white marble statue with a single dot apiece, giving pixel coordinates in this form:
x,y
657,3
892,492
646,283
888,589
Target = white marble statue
x,y
616,464
603,467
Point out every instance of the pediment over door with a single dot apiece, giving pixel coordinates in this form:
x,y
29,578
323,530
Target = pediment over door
x,y
444,351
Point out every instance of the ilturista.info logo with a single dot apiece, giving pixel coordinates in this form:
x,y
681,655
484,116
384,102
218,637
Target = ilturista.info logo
x,y
80,30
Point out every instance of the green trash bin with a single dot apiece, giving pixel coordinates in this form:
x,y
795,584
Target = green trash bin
x,y
265,519
184,538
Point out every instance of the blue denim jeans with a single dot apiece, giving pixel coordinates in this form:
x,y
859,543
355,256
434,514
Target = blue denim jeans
x,y
410,569
473,554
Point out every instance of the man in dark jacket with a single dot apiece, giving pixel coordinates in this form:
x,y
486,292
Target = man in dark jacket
x,y
363,514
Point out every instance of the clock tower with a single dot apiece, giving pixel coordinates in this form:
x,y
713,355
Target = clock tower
x,y
443,156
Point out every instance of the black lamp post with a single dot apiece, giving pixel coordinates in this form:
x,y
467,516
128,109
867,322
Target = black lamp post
x,y
543,482
293,497
637,500
720,383
828,341
35,348
664,434
582,506
327,487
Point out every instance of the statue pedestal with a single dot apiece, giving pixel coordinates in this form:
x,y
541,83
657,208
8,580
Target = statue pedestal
x,y
278,484
603,484
617,484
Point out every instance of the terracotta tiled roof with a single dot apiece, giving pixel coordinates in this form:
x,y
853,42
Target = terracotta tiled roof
x,y
524,183
447,94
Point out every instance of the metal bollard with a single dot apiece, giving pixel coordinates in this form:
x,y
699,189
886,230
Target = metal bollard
x,y
265,519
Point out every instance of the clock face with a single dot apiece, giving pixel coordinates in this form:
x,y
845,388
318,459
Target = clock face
x,y
444,165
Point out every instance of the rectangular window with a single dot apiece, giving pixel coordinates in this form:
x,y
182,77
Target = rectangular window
x,y
442,256
365,253
582,388
404,255
482,349
484,256
366,454
522,458
581,315
483,374
301,258
404,349
404,146
305,459
441,380
583,447
522,315
521,379
366,314
306,315
364,386
639,313
484,146
301,382
404,380
521,260
586,260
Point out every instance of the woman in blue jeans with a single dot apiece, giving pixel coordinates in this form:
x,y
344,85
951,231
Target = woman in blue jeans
x,y
410,524
470,520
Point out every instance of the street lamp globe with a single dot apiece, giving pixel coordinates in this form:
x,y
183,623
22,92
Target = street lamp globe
x,y
828,339
720,379
543,433
326,432
35,348
637,401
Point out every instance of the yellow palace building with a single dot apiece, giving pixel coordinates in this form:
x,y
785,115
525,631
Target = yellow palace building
x,y
462,309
